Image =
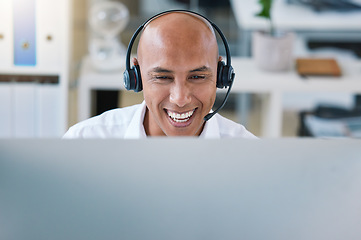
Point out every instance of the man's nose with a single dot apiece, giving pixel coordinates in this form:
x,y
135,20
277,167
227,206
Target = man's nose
x,y
180,94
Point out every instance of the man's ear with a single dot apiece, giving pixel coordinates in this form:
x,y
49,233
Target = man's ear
x,y
220,58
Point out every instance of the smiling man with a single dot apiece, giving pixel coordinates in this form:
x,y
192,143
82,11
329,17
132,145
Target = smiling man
x,y
178,58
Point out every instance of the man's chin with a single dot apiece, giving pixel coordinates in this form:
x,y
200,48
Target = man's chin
x,y
184,131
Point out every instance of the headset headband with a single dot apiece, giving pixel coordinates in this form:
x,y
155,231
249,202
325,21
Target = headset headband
x,y
141,27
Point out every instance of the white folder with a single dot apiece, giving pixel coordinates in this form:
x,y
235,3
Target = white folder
x,y
5,110
24,110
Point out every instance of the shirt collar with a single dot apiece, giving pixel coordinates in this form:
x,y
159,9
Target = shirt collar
x,y
211,129
136,127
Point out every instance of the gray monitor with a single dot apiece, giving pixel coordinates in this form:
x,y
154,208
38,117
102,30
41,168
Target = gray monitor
x,y
185,188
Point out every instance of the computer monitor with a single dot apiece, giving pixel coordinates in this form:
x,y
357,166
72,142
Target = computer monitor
x,y
180,188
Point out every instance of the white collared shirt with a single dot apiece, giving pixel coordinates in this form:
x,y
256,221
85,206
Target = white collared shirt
x,y
127,123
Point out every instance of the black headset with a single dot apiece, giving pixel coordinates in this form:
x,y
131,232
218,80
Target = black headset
x,y
225,73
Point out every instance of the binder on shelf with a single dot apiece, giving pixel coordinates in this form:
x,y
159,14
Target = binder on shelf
x,y
24,32
5,110
24,110
48,117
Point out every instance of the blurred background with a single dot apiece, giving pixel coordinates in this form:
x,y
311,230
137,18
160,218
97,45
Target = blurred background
x,y
87,40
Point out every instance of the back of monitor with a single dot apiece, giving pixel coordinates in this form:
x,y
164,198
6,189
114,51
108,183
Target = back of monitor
x,y
180,189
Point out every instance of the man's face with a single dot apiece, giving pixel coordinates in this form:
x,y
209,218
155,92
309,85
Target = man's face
x,y
179,85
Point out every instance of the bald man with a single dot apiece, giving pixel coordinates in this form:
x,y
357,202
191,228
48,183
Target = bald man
x,y
178,57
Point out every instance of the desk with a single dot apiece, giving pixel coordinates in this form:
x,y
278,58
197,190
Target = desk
x,y
299,18
249,79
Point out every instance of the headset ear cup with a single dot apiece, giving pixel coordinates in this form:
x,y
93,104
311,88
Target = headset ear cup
x,y
133,79
138,79
220,68
127,78
228,75
225,75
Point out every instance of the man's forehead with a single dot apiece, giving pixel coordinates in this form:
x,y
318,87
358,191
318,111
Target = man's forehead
x,y
176,36
164,19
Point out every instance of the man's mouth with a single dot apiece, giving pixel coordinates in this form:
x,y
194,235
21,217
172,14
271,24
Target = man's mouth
x,y
180,117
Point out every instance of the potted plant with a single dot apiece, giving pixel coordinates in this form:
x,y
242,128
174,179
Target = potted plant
x,y
272,49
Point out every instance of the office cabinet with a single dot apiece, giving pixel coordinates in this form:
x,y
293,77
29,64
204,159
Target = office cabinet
x,y
50,33
34,67
6,35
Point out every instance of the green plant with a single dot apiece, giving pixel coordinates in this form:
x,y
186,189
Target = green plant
x,y
266,13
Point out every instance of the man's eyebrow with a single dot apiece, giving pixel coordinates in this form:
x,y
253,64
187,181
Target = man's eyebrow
x,y
160,70
164,70
201,69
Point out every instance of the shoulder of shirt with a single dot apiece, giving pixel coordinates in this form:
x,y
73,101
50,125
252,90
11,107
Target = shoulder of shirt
x,y
229,128
116,119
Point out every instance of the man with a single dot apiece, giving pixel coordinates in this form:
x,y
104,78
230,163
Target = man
x,y
178,58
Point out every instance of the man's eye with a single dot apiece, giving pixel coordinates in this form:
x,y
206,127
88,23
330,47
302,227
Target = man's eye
x,y
162,77
198,77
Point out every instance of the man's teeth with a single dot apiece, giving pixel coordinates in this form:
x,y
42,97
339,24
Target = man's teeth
x,y
180,117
